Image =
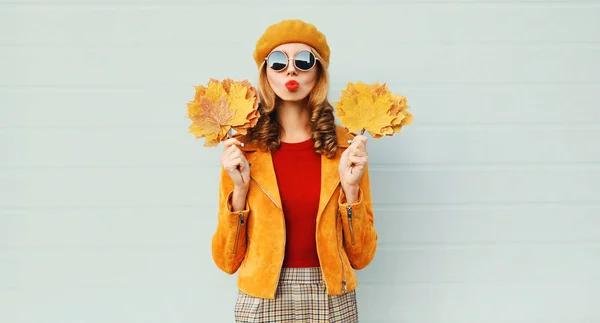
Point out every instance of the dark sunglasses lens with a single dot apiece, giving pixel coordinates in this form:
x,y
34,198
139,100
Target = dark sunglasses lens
x,y
277,61
305,60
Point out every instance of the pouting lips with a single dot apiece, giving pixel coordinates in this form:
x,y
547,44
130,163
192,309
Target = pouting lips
x,y
292,85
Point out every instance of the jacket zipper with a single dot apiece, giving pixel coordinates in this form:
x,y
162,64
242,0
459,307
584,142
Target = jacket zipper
x,y
349,208
237,235
283,218
337,241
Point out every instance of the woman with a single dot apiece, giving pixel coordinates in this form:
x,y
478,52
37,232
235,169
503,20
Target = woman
x,y
298,220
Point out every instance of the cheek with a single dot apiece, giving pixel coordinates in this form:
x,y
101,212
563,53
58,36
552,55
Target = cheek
x,y
311,76
271,78
275,79
310,79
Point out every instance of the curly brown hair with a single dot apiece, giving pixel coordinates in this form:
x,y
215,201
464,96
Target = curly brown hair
x,y
266,133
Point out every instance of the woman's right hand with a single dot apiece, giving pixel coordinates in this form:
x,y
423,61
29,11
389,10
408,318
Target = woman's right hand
x,y
234,162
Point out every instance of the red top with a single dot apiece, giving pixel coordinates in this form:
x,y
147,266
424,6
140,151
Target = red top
x,y
298,171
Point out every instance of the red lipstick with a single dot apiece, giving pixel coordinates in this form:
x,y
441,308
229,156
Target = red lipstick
x,y
292,85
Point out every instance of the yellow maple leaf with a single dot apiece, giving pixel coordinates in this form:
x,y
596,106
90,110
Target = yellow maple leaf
x,y
403,117
211,120
240,103
373,108
215,90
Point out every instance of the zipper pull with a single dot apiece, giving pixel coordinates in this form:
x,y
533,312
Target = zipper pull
x,y
237,234
349,208
344,289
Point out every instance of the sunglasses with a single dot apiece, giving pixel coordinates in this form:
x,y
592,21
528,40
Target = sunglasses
x,y
304,60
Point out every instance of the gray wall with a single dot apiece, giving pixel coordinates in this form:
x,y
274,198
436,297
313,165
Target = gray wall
x,y
487,207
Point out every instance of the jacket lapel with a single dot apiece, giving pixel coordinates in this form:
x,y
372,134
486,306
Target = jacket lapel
x,y
330,179
263,173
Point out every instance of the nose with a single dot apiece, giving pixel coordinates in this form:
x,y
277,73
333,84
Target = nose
x,y
291,68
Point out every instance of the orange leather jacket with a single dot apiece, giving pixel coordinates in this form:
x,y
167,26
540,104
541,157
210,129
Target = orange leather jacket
x,y
252,242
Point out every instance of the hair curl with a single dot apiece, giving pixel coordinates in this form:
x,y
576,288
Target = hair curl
x,y
266,133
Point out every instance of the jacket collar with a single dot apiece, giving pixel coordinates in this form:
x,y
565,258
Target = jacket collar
x,y
263,172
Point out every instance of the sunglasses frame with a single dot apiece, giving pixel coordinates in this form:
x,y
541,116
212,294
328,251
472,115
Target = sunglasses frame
x,y
293,58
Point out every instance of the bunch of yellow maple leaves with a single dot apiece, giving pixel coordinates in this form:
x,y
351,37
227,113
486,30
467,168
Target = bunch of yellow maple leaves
x,y
220,108
224,106
372,107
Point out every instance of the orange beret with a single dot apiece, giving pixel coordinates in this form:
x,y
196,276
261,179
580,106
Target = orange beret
x,y
290,31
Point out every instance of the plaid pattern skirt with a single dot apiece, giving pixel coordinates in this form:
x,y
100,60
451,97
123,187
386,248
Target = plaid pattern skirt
x,y
301,297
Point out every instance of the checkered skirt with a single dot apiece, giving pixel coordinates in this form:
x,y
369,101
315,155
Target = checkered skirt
x,y
301,297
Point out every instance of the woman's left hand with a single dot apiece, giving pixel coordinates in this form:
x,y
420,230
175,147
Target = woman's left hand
x,y
353,162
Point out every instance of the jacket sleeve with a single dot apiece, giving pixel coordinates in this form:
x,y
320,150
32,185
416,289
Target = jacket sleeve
x,y
360,236
229,239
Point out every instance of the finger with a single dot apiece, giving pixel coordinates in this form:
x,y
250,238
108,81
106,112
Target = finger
x,y
232,142
359,153
232,151
358,139
361,139
361,143
241,166
233,164
358,160
346,152
228,143
357,146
